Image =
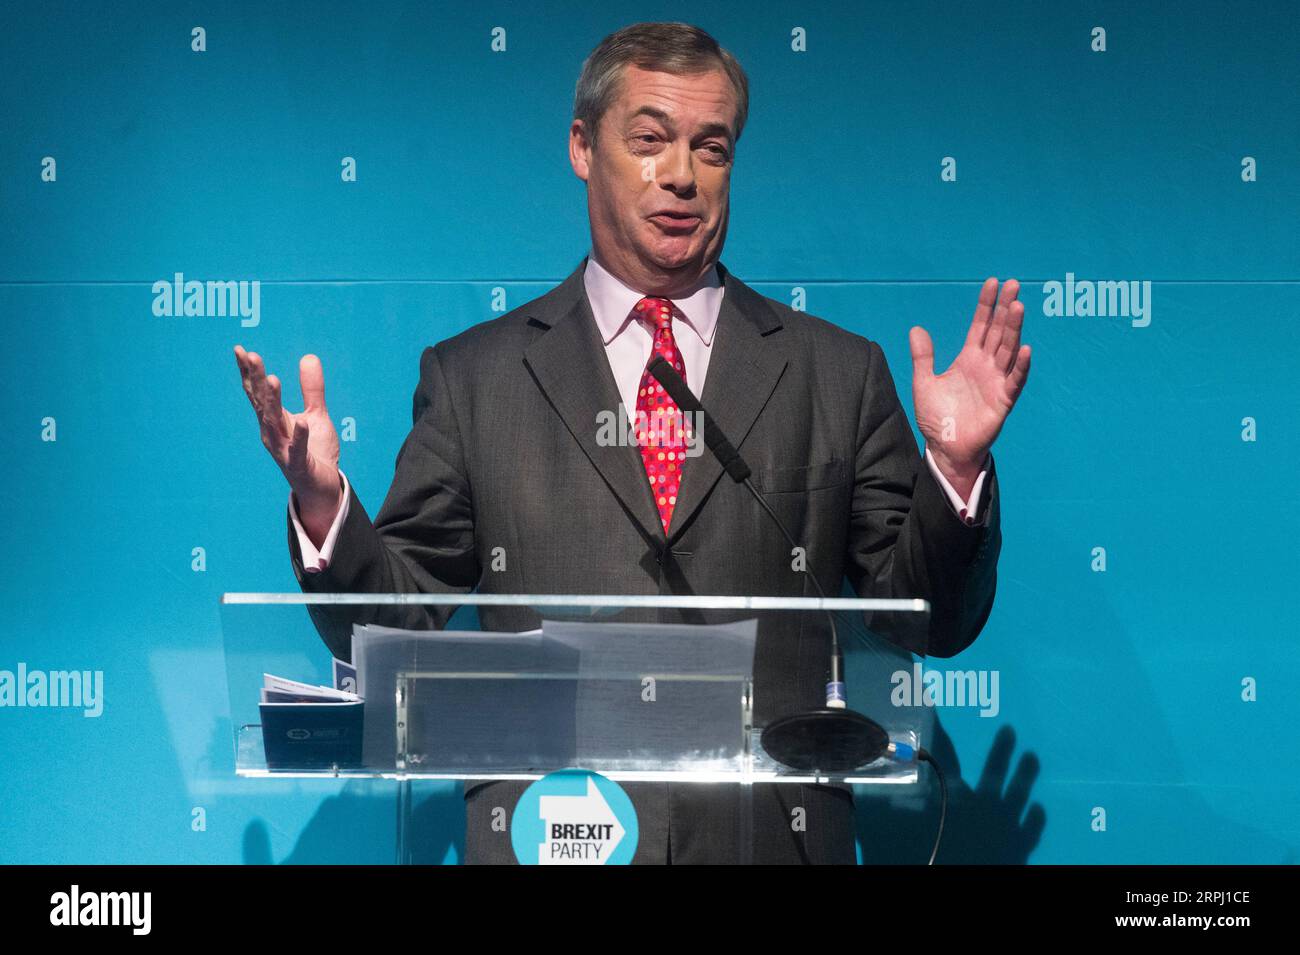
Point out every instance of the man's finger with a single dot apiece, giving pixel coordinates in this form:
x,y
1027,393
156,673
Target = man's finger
x,y
979,325
254,381
241,359
275,407
1005,354
1010,289
311,378
1019,373
918,339
269,412
1001,317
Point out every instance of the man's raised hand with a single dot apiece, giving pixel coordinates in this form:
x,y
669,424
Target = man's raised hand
x,y
304,445
962,411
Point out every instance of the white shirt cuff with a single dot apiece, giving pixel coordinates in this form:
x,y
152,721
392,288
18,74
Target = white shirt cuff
x,y
313,560
963,509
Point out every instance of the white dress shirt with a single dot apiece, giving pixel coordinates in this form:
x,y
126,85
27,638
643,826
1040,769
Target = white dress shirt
x,y
628,344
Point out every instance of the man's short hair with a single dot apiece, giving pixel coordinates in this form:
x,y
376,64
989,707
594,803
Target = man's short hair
x,y
668,47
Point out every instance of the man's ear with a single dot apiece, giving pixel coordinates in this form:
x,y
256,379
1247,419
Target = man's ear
x,y
580,150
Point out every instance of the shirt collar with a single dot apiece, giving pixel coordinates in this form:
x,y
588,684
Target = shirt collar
x,y
612,302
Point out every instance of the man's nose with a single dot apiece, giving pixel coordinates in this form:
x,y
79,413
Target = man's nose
x,y
676,168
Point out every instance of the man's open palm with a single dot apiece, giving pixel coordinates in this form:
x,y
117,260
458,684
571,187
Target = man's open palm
x,y
961,411
305,445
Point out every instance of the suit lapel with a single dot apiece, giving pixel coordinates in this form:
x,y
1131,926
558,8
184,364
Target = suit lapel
x,y
746,364
570,366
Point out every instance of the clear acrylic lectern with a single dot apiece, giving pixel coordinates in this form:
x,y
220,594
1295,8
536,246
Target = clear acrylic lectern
x,y
674,689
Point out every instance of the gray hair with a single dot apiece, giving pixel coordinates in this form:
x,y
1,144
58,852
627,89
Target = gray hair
x,y
677,48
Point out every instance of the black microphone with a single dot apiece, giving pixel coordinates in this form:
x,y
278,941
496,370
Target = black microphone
x,y
685,399
833,738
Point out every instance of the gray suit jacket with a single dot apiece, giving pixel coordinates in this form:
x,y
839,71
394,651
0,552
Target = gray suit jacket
x,y
504,453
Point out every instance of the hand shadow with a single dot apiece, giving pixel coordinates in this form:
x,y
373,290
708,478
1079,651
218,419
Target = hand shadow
x,y
985,825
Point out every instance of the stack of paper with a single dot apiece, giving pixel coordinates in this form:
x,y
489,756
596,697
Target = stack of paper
x,y
277,689
569,693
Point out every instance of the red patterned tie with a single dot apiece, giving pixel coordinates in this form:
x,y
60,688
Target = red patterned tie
x,y
659,424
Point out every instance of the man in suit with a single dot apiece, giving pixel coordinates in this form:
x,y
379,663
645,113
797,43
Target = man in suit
x,y
505,449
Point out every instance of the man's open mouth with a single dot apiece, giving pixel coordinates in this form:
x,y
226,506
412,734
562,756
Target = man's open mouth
x,y
675,220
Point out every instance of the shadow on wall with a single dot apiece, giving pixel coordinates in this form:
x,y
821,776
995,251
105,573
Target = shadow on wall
x,y
358,827
991,822
986,824
994,822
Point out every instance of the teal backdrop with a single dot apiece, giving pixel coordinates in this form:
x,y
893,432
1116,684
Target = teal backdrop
x,y
1159,689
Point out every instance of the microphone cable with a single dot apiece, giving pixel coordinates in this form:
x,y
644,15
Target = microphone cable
x,y
740,472
905,753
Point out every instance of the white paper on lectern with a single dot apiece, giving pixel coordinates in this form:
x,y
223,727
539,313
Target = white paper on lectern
x,y
596,704
721,649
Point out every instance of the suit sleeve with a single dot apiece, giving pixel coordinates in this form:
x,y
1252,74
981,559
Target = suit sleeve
x,y
421,541
904,538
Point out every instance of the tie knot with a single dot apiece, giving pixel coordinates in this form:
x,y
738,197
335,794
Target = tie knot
x,y
657,311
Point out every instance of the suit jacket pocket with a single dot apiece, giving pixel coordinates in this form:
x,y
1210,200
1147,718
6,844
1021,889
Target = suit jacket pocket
x,y
809,478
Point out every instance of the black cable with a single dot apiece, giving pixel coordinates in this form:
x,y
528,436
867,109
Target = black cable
x,y
837,655
923,755
835,637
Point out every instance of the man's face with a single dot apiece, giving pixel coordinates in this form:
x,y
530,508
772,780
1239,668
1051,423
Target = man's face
x,y
659,176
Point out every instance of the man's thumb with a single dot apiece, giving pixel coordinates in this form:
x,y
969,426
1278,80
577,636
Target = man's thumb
x,y
311,379
922,352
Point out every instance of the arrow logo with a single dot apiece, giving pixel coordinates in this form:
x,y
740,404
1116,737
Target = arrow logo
x,y
580,830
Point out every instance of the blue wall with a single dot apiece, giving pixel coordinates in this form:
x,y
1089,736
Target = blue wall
x,y
1120,689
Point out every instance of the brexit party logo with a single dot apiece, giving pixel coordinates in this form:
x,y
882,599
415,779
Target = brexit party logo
x,y
574,817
